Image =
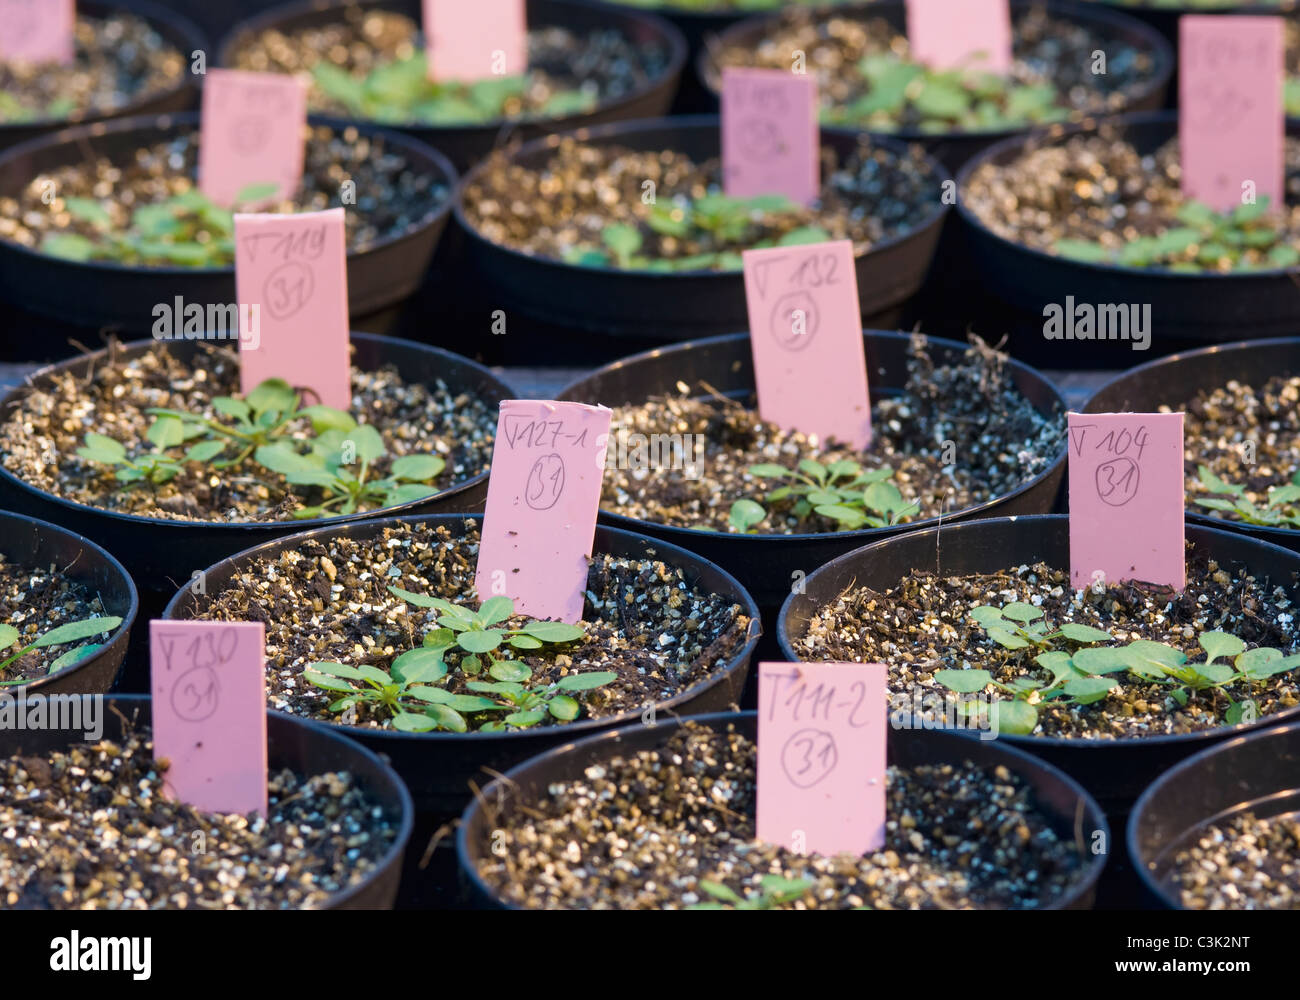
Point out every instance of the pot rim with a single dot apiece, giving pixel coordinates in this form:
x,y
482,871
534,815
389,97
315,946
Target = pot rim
x,y
1083,884
669,35
1197,356
119,634
163,524
673,555
682,535
1161,51
160,124
612,131
1054,135
786,642
1142,863
157,16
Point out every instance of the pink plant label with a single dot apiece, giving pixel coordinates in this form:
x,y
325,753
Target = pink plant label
x,y
291,280
37,31
949,33
1126,499
209,712
822,730
770,142
253,134
806,334
1231,121
475,39
548,463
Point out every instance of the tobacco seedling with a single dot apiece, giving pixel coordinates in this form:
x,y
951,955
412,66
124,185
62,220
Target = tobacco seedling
x,y
1280,510
1245,239
714,220
1019,625
408,693
841,491
901,93
775,890
266,427
68,632
187,230
400,92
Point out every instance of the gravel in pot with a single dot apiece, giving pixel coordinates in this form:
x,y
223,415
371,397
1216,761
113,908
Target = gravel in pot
x,y
868,81
1094,215
1241,431
66,610
128,224
1220,830
366,62
572,212
128,58
957,430
336,823
663,818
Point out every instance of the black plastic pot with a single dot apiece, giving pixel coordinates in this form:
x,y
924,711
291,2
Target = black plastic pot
x,y
162,555
25,541
1069,807
467,144
1173,381
1115,771
1258,772
290,744
953,149
1163,17
172,27
112,295
439,767
675,307
770,565
1187,310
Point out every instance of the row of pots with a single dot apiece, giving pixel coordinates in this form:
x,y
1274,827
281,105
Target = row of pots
x,y
1223,780
979,250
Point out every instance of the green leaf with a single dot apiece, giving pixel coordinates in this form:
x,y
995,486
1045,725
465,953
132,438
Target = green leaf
x,y
586,681
9,635
419,600
326,418
255,192
1083,250
765,470
523,719
165,432
1015,717
1089,689
804,235
89,210
418,468
274,395
369,443
554,631
987,615
205,451
1004,638
1214,673
105,450
846,517
1021,612
1102,661
480,642
964,681
414,722
622,239
813,469
718,891
447,718
458,702
1218,644
1084,633
496,609
423,664
510,670
745,514
563,707
525,642
76,655
73,631
281,457
321,680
